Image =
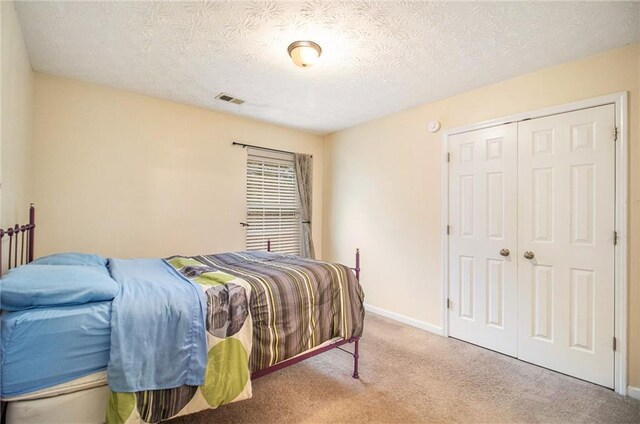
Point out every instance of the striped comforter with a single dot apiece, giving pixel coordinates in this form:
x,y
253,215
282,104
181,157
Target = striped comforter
x,y
296,304
228,335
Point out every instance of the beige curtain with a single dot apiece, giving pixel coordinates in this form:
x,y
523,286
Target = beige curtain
x,y
304,178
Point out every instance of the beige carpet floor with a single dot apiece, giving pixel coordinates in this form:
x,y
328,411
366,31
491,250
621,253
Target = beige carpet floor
x,y
411,376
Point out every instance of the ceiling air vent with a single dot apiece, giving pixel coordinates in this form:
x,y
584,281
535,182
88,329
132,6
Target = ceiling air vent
x,y
229,99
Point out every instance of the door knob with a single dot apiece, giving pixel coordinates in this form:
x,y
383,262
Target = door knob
x,y
504,252
528,254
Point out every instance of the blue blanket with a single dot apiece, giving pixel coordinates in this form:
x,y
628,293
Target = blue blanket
x,y
158,337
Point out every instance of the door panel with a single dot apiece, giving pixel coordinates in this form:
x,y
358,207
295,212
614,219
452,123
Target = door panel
x,y
542,313
566,200
483,198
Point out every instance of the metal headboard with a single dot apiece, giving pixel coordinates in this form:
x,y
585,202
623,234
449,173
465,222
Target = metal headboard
x,y
20,244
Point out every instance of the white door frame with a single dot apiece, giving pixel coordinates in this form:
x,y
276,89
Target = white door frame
x,y
619,100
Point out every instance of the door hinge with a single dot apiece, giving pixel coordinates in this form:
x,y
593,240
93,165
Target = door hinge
x,y
615,343
615,238
448,157
448,303
615,133
448,230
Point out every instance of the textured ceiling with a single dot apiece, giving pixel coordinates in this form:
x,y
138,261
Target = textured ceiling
x,y
378,57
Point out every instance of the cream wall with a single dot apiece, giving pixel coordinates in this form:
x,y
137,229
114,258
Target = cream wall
x,y
382,189
127,175
16,92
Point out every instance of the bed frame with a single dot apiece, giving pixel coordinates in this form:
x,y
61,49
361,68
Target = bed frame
x,y
20,252
312,353
22,236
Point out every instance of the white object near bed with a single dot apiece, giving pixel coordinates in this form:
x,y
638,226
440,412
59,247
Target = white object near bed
x,y
88,406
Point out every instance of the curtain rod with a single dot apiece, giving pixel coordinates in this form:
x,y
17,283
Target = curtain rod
x,y
235,143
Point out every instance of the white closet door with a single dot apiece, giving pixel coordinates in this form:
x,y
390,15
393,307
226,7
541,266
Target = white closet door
x,y
482,219
566,220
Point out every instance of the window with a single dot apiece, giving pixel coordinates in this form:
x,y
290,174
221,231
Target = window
x,y
273,207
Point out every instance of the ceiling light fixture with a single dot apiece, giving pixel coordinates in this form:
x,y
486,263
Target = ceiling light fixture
x,y
304,53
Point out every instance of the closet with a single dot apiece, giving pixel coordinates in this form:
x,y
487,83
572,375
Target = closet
x,y
531,216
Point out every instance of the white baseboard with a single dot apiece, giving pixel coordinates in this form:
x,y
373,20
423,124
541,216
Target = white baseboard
x,y
404,319
633,392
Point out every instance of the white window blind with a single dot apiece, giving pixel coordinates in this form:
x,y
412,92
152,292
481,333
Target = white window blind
x,y
273,207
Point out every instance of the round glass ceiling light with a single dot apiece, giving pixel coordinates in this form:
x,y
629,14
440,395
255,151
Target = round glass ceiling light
x,y
304,53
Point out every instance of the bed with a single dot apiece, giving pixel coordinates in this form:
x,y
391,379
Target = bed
x,y
58,360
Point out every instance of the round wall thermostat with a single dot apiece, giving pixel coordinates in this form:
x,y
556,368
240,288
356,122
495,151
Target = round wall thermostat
x,y
434,126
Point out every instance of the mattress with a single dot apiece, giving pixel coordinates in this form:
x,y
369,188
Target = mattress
x,y
45,347
84,407
97,379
